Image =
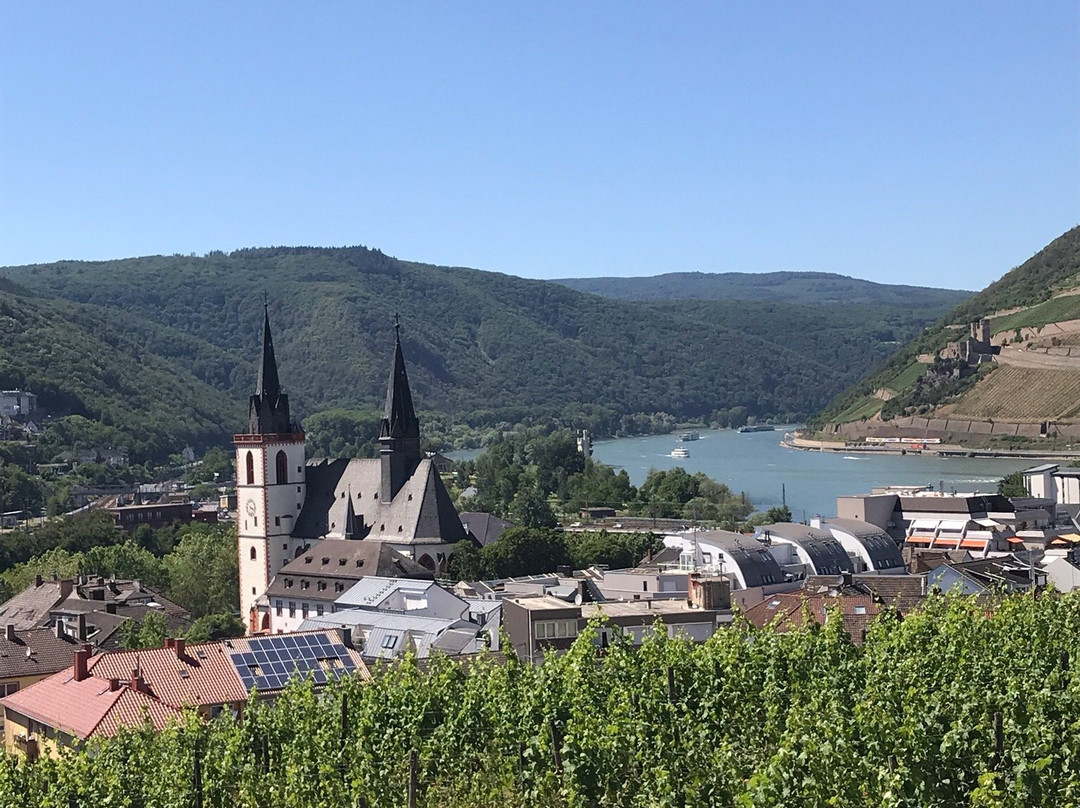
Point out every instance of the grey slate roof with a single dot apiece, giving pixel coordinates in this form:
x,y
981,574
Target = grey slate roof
x,y
28,608
421,513
347,561
48,653
882,549
485,527
756,564
826,554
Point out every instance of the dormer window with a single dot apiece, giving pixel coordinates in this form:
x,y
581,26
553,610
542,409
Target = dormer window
x,y
307,559
341,562
326,560
288,583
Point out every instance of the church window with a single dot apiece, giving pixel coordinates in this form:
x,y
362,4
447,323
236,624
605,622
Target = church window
x,y
250,463
277,521
298,489
253,590
284,546
382,528
299,469
252,553
282,463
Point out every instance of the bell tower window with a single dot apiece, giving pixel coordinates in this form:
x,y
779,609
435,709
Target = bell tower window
x,y
282,464
250,462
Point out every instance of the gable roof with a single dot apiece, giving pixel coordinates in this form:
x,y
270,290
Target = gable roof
x,y
47,652
27,609
421,512
89,707
484,527
361,558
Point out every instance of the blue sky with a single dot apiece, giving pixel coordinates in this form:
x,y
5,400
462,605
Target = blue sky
x,y
916,142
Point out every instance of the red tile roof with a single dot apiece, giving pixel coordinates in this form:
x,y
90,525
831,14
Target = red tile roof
x,y
86,708
202,675
857,611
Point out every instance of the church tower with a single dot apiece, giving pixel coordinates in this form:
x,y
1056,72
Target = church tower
x,y
399,432
270,485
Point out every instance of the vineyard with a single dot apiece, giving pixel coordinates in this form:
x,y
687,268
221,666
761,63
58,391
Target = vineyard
x,y
960,704
1021,393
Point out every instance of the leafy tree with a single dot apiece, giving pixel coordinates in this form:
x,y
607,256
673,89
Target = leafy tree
x,y
613,550
127,561
203,572
1012,485
215,627
530,508
467,562
525,551
150,632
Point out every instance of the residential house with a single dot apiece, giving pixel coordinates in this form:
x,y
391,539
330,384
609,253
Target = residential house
x,y
790,610
101,693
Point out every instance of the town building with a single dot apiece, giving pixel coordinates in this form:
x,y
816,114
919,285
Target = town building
x,y
19,405
309,585
89,608
286,502
1058,487
791,610
100,693
802,550
870,548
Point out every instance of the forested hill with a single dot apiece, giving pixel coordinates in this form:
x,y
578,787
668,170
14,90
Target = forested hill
x,y
481,346
776,287
128,377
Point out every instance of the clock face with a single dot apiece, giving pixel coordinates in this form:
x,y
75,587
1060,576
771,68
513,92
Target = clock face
x,y
251,508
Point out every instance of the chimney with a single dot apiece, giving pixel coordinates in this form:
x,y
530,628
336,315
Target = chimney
x,y
110,608
66,586
137,682
9,632
648,556
170,642
81,626
59,629
179,644
37,581
82,656
114,684
346,637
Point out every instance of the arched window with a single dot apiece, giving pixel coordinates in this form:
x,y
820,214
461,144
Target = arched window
x,y
252,553
427,561
250,469
282,463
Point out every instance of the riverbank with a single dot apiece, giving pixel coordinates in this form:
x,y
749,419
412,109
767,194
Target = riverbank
x,y
792,440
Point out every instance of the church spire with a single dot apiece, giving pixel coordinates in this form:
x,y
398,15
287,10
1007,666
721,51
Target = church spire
x,y
399,417
268,410
399,432
269,387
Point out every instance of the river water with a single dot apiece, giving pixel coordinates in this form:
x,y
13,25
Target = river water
x,y
756,463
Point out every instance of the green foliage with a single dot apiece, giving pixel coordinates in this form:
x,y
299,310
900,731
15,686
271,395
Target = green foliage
x,y
525,551
675,494
159,351
773,287
613,550
342,433
203,572
466,563
753,718
150,632
215,627
1012,485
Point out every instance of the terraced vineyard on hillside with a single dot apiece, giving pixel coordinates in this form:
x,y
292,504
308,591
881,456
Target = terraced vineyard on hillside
x,y
1012,393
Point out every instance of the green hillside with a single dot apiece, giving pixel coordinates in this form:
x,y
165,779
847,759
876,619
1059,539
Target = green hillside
x,y
1034,289
482,346
112,368
815,288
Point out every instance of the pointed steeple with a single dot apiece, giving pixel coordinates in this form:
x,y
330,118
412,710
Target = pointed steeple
x,y
399,417
268,410
350,517
399,432
269,387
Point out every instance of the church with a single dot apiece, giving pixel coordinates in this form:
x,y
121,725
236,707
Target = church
x,y
286,503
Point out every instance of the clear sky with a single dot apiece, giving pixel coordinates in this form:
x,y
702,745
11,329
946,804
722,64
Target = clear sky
x,y
920,142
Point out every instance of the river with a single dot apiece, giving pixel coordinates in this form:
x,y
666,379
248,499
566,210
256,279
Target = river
x,y
756,463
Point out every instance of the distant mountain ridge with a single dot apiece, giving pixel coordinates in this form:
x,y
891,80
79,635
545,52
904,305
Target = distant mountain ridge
x,y
482,347
813,288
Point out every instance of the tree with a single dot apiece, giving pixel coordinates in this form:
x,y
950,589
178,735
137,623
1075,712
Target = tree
x,y
1012,485
526,551
530,508
215,627
466,562
150,633
203,572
